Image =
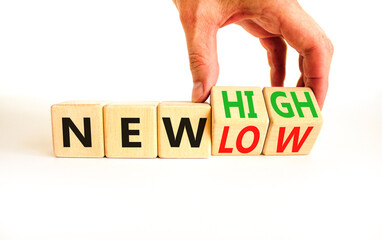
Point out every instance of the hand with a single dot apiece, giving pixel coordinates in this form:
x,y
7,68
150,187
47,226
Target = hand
x,y
273,22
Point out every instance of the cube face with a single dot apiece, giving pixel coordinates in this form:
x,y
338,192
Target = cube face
x,y
77,128
295,121
239,121
184,130
130,129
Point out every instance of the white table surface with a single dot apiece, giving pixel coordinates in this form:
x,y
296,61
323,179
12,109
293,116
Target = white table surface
x,y
335,192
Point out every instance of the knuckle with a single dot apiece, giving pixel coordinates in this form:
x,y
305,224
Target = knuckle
x,y
330,46
327,46
191,14
323,46
188,13
197,61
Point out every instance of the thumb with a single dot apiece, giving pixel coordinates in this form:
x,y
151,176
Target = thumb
x,y
202,52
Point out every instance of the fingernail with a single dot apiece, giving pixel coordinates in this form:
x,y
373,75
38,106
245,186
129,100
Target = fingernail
x,y
197,91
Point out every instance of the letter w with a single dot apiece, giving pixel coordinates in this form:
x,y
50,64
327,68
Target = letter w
x,y
295,135
184,124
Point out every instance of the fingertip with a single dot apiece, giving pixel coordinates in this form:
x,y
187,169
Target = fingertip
x,y
200,92
197,92
320,91
300,82
320,101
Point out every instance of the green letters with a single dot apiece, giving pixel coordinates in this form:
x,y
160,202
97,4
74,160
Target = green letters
x,y
308,103
287,114
239,104
228,104
251,109
298,104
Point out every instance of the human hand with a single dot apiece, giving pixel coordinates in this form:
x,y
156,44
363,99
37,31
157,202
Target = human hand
x,y
273,22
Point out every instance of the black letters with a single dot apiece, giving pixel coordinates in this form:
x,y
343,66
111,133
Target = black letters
x,y
126,132
184,124
85,139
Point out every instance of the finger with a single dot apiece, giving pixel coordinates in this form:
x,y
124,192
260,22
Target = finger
x,y
304,34
276,51
300,82
202,51
316,75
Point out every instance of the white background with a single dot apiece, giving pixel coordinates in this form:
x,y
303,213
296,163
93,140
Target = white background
x,y
52,51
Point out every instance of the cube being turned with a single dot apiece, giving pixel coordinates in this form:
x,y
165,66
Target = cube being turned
x,y
77,128
239,120
184,130
130,129
295,121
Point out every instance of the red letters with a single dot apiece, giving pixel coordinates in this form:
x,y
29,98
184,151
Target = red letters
x,y
239,140
295,135
222,148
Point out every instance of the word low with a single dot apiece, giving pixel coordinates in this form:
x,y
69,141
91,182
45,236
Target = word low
x,y
239,121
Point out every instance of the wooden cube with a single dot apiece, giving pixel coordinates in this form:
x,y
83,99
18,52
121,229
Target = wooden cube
x,y
295,121
239,121
130,129
77,128
184,130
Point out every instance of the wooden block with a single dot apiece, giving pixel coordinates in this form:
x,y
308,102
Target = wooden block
x,y
130,129
295,121
77,128
184,130
239,120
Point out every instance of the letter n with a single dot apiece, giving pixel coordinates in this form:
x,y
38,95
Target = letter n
x,y
85,139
